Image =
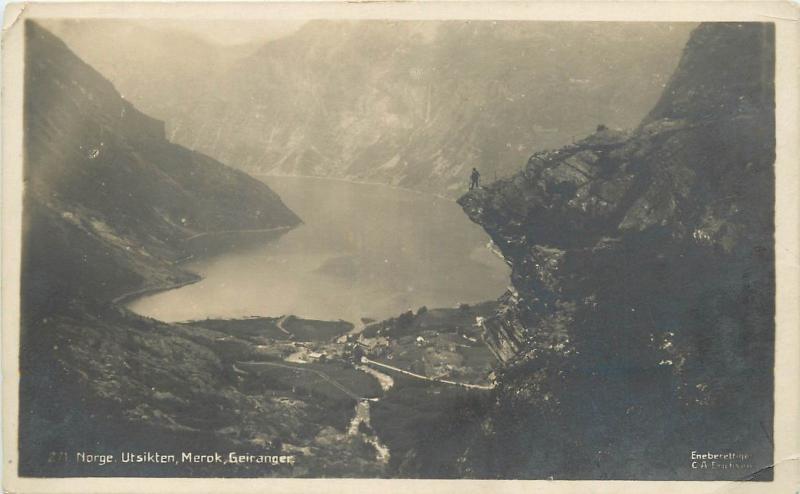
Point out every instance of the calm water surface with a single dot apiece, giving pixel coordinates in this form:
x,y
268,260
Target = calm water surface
x,y
363,251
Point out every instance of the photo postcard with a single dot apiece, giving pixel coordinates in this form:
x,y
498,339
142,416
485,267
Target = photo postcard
x,y
391,244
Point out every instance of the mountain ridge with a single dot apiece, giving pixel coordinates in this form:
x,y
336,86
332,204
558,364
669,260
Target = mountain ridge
x,y
417,104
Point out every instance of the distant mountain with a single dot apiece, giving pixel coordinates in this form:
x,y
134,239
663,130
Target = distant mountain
x,y
641,325
158,70
415,104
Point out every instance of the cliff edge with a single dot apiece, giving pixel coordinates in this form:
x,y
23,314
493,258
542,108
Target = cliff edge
x,y
640,324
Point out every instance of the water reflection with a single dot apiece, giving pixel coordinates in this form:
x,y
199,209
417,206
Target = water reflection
x,y
363,251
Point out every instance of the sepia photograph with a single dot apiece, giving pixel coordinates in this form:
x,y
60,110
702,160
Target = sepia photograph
x,y
377,247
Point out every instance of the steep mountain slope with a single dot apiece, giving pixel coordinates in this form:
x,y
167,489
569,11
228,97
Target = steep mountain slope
x,y
108,199
173,67
640,327
108,204
417,104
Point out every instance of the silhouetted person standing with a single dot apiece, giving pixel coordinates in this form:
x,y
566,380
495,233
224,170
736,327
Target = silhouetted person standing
x,y
474,179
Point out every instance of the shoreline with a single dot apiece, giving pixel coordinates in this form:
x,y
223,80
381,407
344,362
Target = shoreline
x,y
125,297
358,182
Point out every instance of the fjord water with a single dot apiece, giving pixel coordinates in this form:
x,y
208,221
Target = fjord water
x,y
363,251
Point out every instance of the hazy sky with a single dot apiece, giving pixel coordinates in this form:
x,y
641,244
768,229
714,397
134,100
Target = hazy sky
x,y
218,31
233,32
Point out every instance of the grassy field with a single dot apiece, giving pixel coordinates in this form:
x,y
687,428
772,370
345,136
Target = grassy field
x,y
250,328
257,329
332,387
313,330
309,377
442,343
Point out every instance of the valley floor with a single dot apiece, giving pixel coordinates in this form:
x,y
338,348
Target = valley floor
x,y
340,402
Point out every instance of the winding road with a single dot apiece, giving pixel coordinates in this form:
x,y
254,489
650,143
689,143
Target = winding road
x,y
279,324
424,378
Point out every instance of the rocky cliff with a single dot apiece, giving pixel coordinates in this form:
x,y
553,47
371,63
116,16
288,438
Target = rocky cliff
x,y
640,326
108,203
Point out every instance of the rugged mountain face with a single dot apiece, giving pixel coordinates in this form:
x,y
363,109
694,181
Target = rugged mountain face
x,y
108,199
108,204
418,104
640,326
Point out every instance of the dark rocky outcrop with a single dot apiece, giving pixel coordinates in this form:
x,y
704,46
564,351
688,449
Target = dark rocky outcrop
x,y
640,326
